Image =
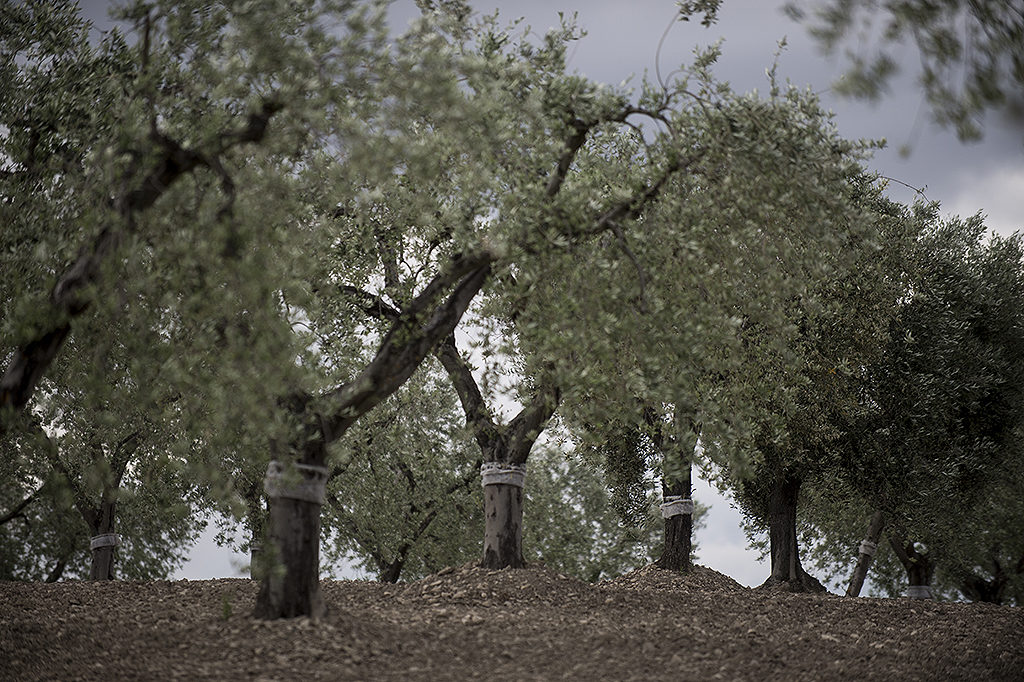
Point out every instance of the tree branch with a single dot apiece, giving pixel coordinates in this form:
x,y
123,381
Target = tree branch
x,y
372,304
418,329
527,425
16,512
478,417
71,295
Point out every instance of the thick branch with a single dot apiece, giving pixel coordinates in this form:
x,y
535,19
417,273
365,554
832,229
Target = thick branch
x,y
20,507
478,417
527,425
71,295
420,327
572,147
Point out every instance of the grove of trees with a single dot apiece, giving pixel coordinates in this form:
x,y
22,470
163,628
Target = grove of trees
x,y
430,297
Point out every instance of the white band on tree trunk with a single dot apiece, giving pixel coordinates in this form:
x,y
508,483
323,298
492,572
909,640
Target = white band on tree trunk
x,y
868,547
494,473
919,591
676,505
104,540
311,487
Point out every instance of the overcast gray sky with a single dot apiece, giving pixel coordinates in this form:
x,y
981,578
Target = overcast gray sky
x,y
622,41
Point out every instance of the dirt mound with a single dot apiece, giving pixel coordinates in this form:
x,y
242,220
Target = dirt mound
x,y
469,623
470,585
651,577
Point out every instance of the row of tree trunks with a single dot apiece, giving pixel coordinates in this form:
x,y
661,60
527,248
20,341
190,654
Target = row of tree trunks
x,y
866,554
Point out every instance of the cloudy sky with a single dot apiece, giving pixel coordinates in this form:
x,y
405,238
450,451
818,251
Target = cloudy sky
x,y
622,42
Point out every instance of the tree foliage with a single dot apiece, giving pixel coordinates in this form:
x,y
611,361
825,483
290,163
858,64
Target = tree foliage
x,y
971,54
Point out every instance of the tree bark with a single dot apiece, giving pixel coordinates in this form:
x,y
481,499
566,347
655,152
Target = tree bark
x,y
290,585
256,512
785,556
103,556
867,554
58,568
677,482
679,528
918,566
992,590
503,526
509,444
290,582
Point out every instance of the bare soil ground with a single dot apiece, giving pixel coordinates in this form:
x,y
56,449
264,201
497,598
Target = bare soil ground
x,y
470,623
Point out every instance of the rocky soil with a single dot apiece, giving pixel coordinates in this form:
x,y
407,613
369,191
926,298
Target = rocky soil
x,y
470,623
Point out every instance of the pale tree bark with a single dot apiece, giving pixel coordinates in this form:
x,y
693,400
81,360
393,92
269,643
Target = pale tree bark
x,y
866,554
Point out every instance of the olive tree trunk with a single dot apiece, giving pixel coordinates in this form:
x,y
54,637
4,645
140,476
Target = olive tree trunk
x,y
503,526
103,543
678,526
917,564
290,565
786,570
866,554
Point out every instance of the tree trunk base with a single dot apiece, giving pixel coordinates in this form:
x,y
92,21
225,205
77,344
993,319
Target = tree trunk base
x,y
503,527
804,582
678,544
289,563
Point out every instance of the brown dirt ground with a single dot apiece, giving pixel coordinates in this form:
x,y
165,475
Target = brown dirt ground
x,y
471,623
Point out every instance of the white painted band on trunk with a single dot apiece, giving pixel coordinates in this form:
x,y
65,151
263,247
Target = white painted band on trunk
x,y
494,473
104,540
868,547
676,505
280,482
919,591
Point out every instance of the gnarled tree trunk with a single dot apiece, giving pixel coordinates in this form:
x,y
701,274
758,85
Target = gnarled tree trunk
x,y
677,488
505,448
290,567
918,566
992,590
785,555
